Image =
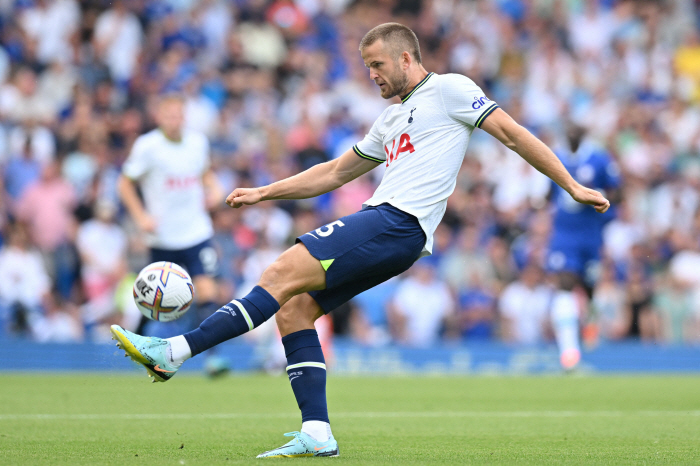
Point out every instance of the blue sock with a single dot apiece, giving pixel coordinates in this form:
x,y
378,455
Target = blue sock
x,y
307,373
232,320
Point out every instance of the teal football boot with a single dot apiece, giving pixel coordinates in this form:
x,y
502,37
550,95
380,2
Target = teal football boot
x,y
303,445
150,352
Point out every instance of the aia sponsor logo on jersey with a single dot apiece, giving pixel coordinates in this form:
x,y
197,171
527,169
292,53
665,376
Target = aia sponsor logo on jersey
x,y
404,146
181,182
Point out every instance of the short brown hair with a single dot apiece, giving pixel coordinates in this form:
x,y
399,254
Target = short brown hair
x,y
170,97
397,37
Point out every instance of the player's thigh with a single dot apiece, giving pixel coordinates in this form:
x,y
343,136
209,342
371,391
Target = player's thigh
x,y
377,257
294,272
299,313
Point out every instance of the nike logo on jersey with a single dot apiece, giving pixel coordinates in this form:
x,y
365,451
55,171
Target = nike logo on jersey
x,y
410,117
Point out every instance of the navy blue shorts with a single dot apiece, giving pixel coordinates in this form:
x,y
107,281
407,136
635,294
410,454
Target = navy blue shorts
x,y
200,259
575,255
362,250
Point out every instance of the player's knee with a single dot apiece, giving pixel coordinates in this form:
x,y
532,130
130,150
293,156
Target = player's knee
x,y
287,319
278,280
293,273
299,314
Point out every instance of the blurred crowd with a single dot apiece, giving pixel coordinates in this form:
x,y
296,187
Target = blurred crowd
x,y
279,85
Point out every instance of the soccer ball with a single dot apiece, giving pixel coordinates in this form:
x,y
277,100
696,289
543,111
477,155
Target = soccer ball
x,y
163,291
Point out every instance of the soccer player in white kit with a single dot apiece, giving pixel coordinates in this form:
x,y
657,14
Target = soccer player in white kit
x,y
171,167
422,141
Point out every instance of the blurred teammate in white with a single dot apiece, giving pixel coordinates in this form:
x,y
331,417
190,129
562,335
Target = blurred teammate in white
x,y
171,167
422,141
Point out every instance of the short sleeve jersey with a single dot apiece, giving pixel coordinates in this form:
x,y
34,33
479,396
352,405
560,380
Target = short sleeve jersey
x,y
170,176
422,142
593,168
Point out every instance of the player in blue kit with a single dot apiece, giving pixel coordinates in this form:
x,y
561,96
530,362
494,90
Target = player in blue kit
x,y
577,238
421,140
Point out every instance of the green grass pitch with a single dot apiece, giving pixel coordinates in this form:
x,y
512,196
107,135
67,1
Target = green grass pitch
x,y
123,419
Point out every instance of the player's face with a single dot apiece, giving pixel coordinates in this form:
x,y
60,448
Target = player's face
x,y
384,70
171,118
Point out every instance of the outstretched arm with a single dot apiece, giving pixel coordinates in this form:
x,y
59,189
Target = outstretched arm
x,y
501,126
317,180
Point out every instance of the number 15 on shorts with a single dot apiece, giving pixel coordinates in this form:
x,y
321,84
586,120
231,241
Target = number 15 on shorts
x,y
330,228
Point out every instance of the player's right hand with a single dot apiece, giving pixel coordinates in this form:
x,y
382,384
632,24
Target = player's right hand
x,y
146,224
244,196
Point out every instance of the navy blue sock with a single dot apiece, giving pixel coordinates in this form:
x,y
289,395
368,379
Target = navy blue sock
x,y
306,369
232,320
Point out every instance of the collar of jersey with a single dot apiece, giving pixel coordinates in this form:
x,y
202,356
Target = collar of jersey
x,y
423,81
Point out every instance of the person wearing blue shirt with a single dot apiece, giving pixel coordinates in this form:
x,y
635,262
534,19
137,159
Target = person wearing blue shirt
x,y
577,237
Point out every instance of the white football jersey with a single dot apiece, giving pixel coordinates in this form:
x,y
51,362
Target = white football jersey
x,y
170,176
422,141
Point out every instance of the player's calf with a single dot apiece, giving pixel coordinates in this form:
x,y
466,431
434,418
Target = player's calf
x,y
231,320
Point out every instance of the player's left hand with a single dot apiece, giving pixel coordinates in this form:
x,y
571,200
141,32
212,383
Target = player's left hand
x,y
591,197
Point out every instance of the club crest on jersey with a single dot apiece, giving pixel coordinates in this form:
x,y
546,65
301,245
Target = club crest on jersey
x,y
479,102
404,146
410,117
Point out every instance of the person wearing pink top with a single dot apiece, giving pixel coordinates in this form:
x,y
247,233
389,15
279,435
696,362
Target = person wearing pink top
x,y
47,209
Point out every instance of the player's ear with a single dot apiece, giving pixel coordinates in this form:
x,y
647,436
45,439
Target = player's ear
x,y
406,60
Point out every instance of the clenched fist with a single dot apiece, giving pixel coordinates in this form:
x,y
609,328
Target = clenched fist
x,y
589,196
244,196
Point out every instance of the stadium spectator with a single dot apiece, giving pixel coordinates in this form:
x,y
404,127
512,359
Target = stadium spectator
x,y
524,308
47,208
25,285
608,304
369,324
278,86
60,324
475,316
102,245
117,41
420,307
641,323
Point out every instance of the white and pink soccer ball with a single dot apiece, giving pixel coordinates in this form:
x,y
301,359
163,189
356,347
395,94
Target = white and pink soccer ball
x,y
163,291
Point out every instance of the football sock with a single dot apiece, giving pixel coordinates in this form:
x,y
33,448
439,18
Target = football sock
x,y
565,319
206,309
179,350
306,369
318,430
233,319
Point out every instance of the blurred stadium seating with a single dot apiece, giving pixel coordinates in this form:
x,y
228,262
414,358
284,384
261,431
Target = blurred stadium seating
x,y
278,85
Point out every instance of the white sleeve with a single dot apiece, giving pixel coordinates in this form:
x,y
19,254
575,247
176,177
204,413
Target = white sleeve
x,y
464,101
371,147
508,302
138,163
